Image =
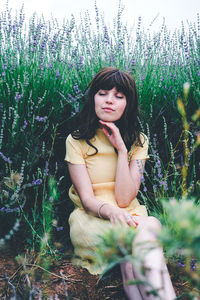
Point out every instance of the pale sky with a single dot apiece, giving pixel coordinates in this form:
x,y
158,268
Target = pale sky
x,y
174,11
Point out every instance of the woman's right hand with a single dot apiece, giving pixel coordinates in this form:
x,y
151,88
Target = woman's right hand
x,y
117,214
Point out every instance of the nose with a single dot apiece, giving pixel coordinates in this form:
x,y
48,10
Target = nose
x,y
109,99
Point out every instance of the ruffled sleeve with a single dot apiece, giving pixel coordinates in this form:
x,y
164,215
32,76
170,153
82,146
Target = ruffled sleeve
x,y
138,152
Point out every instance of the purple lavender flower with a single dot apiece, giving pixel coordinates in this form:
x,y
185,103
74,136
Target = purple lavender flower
x,y
144,189
193,264
112,58
165,186
76,88
24,126
59,228
46,169
6,159
180,264
142,178
106,36
185,47
41,119
133,62
72,98
37,182
198,73
18,97
57,74
81,61
8,210
42,46
3,74
14,28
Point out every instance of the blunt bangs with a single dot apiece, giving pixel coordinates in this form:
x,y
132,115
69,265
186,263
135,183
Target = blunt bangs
x,y
113,78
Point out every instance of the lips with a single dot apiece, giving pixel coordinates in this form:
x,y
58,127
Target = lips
x,y
108,109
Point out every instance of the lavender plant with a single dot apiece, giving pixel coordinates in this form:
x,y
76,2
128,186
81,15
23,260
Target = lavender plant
x,y
44,72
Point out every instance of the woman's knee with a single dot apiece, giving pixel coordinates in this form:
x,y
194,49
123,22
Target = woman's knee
x,y
154,222
151,223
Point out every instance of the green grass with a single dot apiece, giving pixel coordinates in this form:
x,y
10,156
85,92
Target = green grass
x,y
44,72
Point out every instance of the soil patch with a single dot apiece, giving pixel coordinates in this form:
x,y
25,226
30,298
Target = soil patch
x,y
65,281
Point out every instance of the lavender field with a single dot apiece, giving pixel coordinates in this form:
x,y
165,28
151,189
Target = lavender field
x,y
44,72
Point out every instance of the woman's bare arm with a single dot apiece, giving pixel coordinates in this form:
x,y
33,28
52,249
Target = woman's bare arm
x,y
82,183
128,179
128,176
81,180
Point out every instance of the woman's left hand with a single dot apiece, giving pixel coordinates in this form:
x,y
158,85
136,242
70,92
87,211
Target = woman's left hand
x,y
113,134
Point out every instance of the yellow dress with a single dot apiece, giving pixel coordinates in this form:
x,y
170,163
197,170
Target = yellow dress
x,y
101,167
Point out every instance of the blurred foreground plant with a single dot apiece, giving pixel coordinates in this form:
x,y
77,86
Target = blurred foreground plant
x,y
182,106
180,237
115,246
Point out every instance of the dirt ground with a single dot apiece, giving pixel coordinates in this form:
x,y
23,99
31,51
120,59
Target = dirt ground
x,y
65,281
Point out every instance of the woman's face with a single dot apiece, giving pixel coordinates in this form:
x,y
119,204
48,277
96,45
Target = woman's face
x,y
109,105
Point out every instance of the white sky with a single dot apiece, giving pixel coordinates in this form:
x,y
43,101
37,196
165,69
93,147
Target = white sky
x,y
174,11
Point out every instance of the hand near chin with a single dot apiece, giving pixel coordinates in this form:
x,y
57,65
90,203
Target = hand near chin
x,y
113,134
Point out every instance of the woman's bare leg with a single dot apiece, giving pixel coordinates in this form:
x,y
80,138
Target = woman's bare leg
x,y
153,260
132,291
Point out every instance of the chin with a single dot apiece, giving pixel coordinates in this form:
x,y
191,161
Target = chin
x,y
109,120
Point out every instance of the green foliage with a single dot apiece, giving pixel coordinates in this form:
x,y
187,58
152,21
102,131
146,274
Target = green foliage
x,y
181,240
44,73
180,233
115,245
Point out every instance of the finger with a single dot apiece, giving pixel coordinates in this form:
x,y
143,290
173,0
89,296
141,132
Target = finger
x,y
110,125
129,221
106,131
132,223
122,220
136,222
137,219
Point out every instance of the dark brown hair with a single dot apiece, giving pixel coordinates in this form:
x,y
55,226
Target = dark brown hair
x,y
88,122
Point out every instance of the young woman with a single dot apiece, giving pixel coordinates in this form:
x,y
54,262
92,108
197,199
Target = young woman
x,y
106,156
